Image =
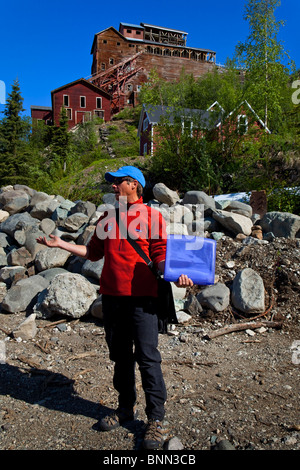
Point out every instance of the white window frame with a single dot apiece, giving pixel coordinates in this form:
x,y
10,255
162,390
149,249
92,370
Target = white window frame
x,y
68,104
245,123
96,111
84,97
99,98
71,113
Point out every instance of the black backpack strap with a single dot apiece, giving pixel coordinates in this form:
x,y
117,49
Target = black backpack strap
x,y
134,244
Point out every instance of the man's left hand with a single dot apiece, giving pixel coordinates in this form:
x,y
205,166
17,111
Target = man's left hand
x,y
184,281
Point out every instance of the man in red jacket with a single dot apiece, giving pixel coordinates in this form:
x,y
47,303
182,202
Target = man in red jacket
x,y
129,298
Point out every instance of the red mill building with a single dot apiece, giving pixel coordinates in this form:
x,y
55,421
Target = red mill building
x,y
123,59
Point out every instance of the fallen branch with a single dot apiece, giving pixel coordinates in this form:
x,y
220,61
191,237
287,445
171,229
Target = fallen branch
x,y
242,326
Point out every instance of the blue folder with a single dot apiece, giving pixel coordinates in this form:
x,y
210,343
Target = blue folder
x,y
190,255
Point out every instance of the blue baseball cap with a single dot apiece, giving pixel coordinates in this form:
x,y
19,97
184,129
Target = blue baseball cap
x,y
126,171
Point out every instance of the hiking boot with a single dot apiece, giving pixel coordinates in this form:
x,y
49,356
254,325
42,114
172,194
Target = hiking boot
x,y
115,419
154,435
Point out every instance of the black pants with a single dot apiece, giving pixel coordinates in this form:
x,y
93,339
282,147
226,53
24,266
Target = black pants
x,y
131,328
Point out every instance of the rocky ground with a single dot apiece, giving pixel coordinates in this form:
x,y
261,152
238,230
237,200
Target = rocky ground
x,y
241,386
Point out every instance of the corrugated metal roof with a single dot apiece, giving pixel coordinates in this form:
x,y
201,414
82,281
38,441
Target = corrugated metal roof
x,y
156,113
129,25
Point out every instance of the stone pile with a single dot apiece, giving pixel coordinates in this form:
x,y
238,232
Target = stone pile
x,y
44,282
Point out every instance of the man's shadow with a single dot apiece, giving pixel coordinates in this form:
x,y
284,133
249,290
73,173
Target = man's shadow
x,y
55,391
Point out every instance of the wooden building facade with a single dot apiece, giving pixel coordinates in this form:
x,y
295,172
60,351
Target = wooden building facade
x,y
82,101
122,60
41,114
242,121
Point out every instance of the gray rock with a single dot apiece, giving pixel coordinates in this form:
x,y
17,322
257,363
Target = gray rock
x,y
75,221
3,215
27,329
5,240
49,274
176,229
14,201
183,317
192,305
181,214
20,236
3,259
44,209
84,207
224,444
69,294
18,222
30,243
165,195
22,187
21,295
8,273
199,197
51,258
235,223
282,224
60,214
174,444
38,197
47,226
216,297
96,308
19,257
248,293
92,269
239,207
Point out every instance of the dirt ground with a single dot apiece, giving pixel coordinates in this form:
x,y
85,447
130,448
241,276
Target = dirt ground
x,y
237,386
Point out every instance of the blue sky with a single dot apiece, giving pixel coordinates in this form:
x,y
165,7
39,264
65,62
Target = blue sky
x,y
47,44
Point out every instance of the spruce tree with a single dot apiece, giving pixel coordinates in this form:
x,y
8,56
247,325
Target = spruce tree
x,y
14,130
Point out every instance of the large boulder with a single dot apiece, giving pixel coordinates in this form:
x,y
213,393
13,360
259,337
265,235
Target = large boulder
x,y
69,294
18,222
199,197
51,258
215,297
22,295
248,293
165,195
235,223
281,224
14,201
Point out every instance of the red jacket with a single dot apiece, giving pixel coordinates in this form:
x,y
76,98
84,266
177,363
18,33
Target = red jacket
x,y
124,272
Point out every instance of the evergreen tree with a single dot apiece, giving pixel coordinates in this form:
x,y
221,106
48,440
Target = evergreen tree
x,y
14,132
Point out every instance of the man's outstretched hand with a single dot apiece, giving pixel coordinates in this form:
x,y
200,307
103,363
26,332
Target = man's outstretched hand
x,y
55,241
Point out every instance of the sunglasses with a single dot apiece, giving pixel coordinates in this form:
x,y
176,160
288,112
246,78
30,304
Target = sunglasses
x,y
118,181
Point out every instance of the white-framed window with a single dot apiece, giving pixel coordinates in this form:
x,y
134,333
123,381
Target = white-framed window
x,y
69,113
145,124
242,124
66,100
98,102
99,113
83,102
